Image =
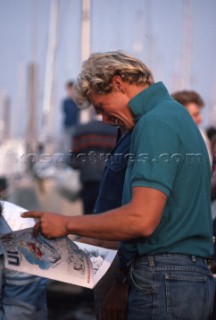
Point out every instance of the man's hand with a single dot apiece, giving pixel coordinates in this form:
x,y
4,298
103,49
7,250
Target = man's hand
x,y
51,225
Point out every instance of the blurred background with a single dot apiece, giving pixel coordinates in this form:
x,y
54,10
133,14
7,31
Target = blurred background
x,y
43,44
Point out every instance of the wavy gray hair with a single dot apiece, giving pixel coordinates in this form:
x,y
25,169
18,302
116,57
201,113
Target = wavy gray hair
x,y
97,73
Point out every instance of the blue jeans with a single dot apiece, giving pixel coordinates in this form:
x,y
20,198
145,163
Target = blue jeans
x,y
170,286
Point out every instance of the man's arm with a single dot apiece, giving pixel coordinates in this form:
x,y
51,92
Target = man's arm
x,y
139,218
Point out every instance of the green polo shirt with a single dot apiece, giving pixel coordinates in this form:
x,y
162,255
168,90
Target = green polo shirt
x,y
168,153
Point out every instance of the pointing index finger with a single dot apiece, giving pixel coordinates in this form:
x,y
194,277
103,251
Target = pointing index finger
x,y
32,214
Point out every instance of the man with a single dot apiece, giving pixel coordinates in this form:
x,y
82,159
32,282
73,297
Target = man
x,y
194,103
164,223
70,116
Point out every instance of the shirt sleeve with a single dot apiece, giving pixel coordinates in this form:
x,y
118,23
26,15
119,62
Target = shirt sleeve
x,y
156,156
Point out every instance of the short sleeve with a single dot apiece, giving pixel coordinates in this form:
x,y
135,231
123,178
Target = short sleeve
x,y
156,157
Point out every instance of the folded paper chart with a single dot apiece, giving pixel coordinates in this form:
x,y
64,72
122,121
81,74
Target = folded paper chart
x,y
60,259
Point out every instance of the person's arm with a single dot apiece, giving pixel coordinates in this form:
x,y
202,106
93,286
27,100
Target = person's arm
x,y
213,186
139,218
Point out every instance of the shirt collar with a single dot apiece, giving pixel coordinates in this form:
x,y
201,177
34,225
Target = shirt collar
x,y
147,99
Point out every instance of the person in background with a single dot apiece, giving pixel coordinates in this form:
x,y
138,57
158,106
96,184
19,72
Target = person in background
x,y
92,144
71,114
164,222
110,296
194,103
211,133
22,295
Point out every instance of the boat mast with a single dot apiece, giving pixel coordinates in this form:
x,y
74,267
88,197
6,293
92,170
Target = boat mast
x,y
85,46
48,96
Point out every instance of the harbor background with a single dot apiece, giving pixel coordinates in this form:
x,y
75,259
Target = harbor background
x,y
43,45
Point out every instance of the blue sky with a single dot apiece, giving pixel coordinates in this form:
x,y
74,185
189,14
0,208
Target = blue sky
x,y
152,30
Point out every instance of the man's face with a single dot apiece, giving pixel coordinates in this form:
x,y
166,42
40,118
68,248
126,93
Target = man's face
x,y
114,108
195,112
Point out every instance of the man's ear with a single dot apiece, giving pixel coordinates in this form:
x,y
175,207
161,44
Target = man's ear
x,y
118,84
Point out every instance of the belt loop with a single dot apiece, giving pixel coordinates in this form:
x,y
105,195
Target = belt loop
x,y
194,258
151,261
